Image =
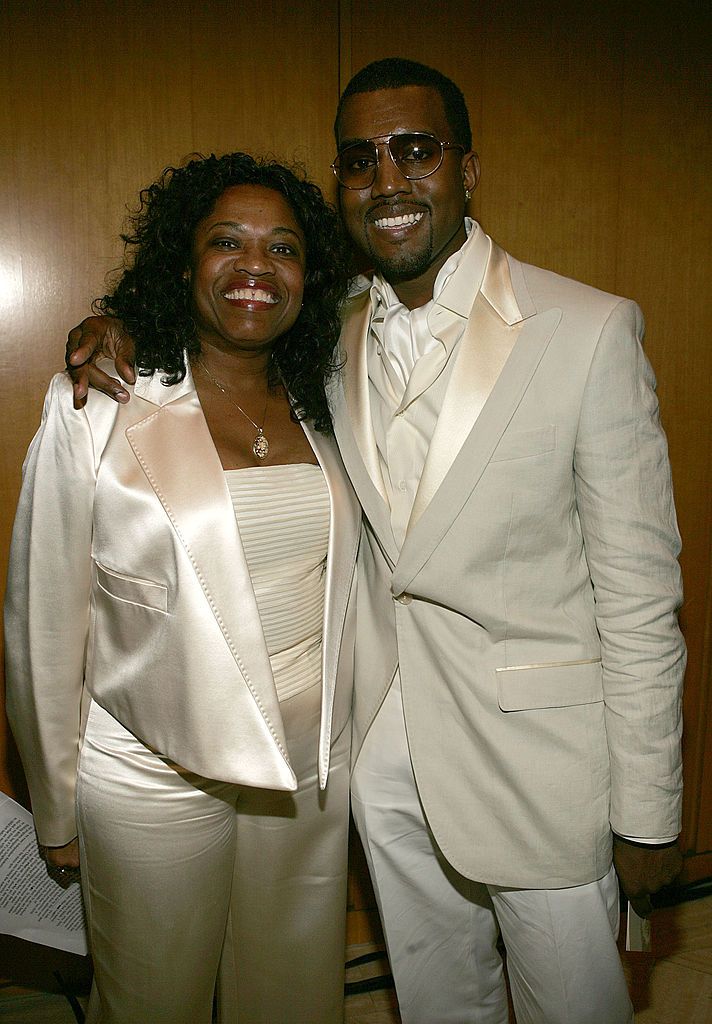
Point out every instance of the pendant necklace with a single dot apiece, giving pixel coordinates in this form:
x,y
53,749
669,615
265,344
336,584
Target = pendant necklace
x,y
260,445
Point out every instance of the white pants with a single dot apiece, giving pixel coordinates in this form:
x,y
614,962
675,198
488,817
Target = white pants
x,y
441,928
188,881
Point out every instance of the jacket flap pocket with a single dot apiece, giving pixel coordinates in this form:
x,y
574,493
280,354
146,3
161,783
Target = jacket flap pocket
x,y
558,684
131,589
523,444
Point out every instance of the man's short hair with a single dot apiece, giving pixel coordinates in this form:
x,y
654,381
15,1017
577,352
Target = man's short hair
x,y
397,73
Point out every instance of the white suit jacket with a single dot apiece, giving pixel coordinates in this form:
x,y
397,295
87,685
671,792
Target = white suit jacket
x,y
532,605
128,582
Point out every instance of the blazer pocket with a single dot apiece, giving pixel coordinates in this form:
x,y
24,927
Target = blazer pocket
x,y
559,684
524,444
131,589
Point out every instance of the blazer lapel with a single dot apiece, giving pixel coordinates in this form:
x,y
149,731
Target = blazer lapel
x,y
484,348
353,426
344,532
500,350
177,454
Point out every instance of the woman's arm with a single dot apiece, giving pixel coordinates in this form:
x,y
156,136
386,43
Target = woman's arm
x,y
47,609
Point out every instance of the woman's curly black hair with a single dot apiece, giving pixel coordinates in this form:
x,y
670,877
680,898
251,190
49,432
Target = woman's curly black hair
x,y
153,302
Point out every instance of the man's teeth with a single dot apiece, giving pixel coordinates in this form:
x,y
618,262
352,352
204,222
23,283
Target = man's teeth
x,y
251,295
397,222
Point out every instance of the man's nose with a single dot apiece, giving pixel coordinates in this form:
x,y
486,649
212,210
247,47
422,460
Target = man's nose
x,y
389,179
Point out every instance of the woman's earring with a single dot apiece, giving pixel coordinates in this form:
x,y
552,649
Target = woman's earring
x,y
468,194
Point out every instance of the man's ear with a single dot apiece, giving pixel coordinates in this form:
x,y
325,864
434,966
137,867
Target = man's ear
x,y
470,171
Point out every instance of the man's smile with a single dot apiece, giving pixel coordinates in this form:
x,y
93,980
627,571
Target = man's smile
x,y
398,221
396,217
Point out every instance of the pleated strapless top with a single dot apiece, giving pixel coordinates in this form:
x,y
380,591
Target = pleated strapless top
x,y
282,514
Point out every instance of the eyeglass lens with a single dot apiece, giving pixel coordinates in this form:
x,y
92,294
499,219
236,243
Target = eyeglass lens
x,y
416,155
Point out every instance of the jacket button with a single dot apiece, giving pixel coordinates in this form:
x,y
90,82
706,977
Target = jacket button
x,y
403,598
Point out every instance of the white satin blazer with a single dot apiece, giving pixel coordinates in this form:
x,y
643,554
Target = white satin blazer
x,y
128,583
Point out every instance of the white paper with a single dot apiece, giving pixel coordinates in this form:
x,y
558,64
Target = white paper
x,y
638,932
32,906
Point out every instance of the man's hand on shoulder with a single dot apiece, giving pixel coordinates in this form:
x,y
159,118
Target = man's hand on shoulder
x,y
94,337
643,869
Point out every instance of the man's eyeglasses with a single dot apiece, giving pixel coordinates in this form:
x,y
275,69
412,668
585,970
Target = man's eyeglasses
x,y
415,154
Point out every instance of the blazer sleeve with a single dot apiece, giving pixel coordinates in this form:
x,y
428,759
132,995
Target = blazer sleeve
x,y
625,504
47,609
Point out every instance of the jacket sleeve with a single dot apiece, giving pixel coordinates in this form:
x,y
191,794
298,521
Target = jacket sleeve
x,y
625,504
47,609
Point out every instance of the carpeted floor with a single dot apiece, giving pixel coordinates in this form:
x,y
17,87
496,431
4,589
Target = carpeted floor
x,y
672,985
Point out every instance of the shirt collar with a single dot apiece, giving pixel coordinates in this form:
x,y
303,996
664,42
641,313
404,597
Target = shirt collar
x,y
458,297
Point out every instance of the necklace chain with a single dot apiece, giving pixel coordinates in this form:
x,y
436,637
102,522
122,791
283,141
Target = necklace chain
x,y
260,445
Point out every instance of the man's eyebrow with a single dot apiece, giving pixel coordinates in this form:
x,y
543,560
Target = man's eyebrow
x,y
387,135
353,142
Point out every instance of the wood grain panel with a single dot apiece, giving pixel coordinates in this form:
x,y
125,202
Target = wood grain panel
x,y
550,135
285,108
664,260
448,36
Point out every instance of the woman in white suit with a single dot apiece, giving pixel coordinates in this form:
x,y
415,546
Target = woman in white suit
x,y
179,615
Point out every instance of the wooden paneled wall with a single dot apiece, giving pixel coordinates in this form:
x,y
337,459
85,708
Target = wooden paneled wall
x,y
592,122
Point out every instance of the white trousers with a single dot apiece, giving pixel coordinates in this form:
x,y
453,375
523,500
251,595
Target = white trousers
x,y
441,928
188,882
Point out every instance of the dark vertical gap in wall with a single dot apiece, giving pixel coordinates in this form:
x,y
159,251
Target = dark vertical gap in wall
x,y
345,70
696,810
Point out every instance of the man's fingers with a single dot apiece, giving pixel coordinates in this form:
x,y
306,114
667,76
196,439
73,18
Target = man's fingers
x,y
94,337
642,905
80,386
124,362
92,376
81,354
84,339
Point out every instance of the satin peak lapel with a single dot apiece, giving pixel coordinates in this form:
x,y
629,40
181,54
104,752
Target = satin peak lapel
x,y
494,367
195,498
353,425
485,346
344,531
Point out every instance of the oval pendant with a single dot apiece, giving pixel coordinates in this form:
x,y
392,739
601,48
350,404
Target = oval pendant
x,y
260,446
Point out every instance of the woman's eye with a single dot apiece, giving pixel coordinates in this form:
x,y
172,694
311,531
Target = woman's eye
x,y
224,243
283,250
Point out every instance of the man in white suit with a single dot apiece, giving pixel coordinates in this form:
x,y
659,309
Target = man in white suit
x,y
519,663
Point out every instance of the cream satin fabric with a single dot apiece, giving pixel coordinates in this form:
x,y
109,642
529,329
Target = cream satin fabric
x,y
127,576
187,880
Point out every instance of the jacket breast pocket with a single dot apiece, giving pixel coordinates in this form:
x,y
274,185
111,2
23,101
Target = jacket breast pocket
x,y
524,444
558,684
132,589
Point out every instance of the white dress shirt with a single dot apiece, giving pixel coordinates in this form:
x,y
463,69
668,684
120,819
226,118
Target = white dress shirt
x,y
409,366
